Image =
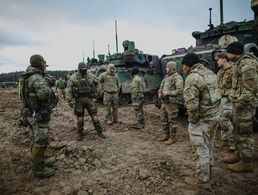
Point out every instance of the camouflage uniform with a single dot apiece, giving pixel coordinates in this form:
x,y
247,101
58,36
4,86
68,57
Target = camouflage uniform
x,y
37,97
224,77
110,86
61,85
244,98
172,85
83,88
202,97
137,89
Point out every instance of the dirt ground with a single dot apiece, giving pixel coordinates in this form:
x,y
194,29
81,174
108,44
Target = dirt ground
x,y
128,161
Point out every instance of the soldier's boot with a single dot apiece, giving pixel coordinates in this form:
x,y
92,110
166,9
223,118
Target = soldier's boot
x,y
171,140
98,128
197,182
231,158
39,168
241,166
47,161
165,137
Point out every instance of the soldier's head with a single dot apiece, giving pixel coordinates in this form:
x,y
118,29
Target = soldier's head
x,y
37,61
223,60
226,40
215,53
171,67
235,50
135,71
111,68
189,60
82,68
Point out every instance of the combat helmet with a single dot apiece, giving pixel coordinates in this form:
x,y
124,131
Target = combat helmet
x,y
81,65
37,61
226,40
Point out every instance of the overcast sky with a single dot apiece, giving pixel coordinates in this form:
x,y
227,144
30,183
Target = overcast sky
x,y
61,30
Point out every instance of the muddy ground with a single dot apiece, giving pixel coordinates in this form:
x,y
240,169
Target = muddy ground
x,y
128,161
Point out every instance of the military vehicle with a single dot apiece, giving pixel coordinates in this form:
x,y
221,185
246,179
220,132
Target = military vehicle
x,y
149,66
246,32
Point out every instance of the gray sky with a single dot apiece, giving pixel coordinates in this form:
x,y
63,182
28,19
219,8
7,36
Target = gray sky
x,y
61,30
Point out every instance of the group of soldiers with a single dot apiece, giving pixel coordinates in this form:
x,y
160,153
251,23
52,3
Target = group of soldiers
x,y
226,101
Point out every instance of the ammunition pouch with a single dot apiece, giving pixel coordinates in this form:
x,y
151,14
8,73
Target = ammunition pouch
x,y
75,92
165,99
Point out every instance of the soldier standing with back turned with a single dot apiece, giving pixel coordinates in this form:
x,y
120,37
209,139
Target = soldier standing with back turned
x,y
110,87
82,88
171,88
245,100
137,89
202,100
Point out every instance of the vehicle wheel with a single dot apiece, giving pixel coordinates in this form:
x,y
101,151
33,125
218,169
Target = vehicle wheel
x,y
124,99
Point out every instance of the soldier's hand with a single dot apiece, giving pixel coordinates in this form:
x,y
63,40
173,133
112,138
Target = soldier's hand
x,y
160,95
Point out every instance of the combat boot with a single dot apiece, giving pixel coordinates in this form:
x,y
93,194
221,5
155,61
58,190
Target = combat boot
x,y
241,166
79,136
197,182
39,168
231,158
165,137
171,140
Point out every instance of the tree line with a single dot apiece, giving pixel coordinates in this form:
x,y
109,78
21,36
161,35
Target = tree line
x,y
14,76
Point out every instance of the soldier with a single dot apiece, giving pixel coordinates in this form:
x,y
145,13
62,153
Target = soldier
x,y
171,88
36,96
137,89
110,87
244,98
224,77
60,86
202,99
82,88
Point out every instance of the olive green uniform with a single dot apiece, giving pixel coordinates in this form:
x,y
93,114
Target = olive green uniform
x,y
137,89
172,84
61,85
110,87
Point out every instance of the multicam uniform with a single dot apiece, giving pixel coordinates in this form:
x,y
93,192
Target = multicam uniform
x,y
172,85
61,85
137,89
244,98
224,77
110,86
202,99
83,88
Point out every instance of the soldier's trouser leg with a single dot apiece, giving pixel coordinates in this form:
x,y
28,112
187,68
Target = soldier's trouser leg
x,y
225,122
164,118
172,111
137,106
92,110
80,124
202,137
107,101
115,105
242,132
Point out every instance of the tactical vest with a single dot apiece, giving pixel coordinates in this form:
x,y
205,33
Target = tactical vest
x,y
84,87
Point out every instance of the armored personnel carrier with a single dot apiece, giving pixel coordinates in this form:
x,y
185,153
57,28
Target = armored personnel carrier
x,y
149,66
